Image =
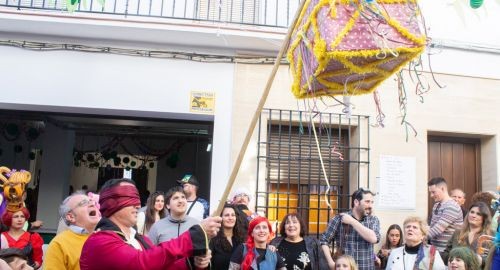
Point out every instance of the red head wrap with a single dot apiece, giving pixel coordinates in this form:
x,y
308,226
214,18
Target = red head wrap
x,y
117,197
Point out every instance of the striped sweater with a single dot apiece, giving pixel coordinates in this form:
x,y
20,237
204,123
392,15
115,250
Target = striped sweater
x,y
446,218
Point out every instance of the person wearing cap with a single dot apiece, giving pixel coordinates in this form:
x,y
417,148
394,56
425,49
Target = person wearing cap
x,y
116,245
240,198
196,207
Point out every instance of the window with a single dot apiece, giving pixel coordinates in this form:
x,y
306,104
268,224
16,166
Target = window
x,y
291,178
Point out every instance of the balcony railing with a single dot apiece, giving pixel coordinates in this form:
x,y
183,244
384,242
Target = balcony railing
x,y
275,13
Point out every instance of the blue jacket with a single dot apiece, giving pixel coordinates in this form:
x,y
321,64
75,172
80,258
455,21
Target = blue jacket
x,y
269,263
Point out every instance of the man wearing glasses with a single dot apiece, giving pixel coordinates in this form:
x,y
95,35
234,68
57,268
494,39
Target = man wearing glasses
x,y
354,232
446,214
81,215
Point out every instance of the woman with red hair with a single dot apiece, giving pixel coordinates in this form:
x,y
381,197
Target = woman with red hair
x,y
255,254
17,237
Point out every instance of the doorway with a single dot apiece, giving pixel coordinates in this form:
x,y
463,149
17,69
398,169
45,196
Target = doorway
x,y
458,161
153,152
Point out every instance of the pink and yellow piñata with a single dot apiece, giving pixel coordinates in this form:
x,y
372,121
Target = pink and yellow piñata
x,y
348,47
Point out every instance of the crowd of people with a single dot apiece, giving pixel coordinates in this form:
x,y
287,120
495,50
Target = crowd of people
x,y
173,231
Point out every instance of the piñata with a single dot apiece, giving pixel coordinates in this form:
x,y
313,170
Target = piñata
x,y
349,47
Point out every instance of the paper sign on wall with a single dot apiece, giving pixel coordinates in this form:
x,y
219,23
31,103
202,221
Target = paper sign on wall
x,y
397,183
202,102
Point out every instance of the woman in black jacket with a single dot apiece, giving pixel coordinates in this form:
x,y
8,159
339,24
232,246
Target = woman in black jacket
x,y
298,250
227,239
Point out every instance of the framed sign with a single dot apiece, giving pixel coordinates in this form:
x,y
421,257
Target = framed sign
x,y
397,183
202,102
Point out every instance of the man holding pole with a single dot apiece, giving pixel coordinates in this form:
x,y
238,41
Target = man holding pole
x,y
116,245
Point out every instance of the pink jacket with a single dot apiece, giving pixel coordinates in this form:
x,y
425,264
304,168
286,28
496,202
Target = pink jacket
x,y
106,249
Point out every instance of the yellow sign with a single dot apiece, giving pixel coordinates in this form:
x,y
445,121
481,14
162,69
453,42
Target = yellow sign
x,y
202,102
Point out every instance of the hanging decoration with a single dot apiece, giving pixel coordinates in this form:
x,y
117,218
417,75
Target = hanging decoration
x,y
72,5
21,134
12,131
99,157
476,3
349,47
126,160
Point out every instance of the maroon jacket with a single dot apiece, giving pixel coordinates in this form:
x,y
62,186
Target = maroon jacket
x,y
106,249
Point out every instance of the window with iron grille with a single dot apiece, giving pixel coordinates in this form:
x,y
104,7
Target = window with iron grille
x,y
290,177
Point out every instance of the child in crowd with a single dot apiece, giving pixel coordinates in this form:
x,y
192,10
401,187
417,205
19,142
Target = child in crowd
x,y
393,239
345,262
463,258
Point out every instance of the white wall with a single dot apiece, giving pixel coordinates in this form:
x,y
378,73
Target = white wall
x,y
453,23
119,85
456,20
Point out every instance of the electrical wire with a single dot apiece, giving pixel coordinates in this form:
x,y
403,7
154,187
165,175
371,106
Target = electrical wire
x,y
197,57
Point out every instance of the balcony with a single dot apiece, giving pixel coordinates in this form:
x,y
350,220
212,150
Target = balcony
x,y
270,13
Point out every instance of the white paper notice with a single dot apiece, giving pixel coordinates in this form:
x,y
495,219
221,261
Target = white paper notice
x,y
397,183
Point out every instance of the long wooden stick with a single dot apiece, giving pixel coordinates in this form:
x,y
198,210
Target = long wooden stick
x,y
258,111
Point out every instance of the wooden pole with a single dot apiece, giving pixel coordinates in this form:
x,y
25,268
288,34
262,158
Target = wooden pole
x,y
255,118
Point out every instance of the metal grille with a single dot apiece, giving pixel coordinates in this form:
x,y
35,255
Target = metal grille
x,y
290,178
272,13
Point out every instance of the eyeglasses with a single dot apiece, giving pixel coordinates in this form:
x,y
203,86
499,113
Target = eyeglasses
x,y
242,195
82,203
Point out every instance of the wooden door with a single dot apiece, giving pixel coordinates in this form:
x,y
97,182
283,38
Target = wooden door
x,y
458,161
